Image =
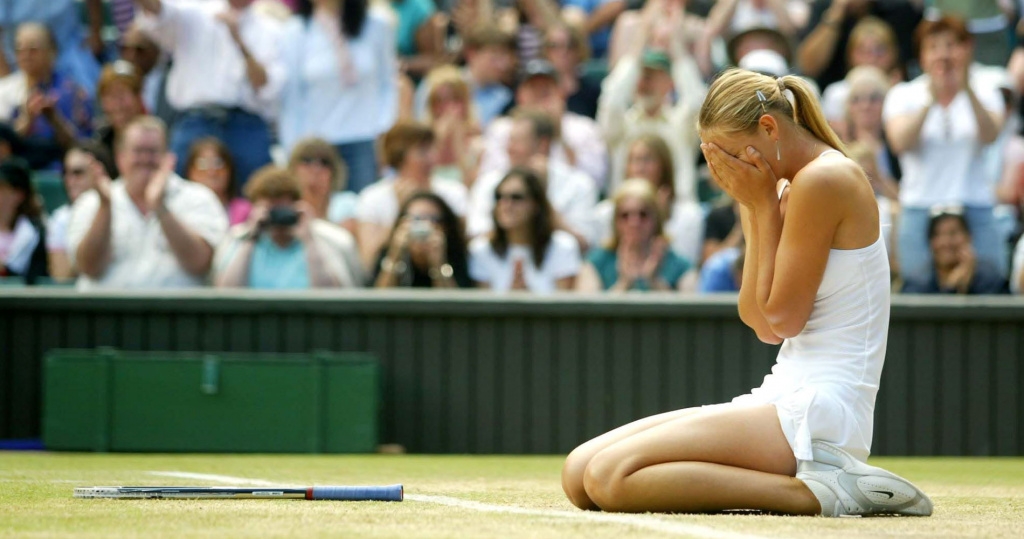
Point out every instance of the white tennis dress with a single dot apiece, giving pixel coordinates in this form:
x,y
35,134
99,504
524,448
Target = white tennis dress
x,y
825,379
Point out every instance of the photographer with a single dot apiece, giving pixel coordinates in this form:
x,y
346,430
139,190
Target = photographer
x,y
283,245
426,248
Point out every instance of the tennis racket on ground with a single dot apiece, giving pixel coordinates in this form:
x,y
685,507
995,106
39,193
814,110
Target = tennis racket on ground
x,y
389,493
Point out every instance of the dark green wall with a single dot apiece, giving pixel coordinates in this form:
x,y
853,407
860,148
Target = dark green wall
x,y
478,373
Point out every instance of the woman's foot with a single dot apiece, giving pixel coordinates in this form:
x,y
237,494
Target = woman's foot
x,y
846,486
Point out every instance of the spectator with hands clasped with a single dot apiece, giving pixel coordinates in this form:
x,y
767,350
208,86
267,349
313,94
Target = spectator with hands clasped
x,y
956,269
283,245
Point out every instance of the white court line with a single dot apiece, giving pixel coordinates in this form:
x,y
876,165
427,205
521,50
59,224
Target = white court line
x,y
637,521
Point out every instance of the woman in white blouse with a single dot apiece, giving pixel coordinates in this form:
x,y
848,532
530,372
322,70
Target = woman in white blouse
x,y
524,251
343,84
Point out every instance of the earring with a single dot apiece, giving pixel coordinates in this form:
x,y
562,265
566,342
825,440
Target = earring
x,y
778,151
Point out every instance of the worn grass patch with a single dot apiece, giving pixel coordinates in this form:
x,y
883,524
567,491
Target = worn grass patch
x,y
973,498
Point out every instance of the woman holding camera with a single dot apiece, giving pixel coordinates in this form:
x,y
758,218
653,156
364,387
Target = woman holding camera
x,y
426,248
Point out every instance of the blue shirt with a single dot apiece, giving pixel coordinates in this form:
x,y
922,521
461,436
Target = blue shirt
x,y
61,17
600,37
74,104
717,273
605,262
274,267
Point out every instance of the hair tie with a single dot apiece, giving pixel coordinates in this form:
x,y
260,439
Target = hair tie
x,y
782,84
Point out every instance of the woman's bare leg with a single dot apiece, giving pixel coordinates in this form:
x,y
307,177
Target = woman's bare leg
x,y
729,457
577,461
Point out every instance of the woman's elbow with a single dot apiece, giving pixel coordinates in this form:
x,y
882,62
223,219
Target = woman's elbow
x,y
769,337
786,327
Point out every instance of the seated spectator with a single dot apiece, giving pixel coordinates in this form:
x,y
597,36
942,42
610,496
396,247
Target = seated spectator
x,y
283,245
323,175
649,158
452,117
343,83
490,58
580,144
872,43
524,251
955,270
150,228
567,50
862,123
408,148
209,163
120,96
46,108
941,126
722,271
83,163
426,248
227,74
77,51
22,231
722,228
830,26
638,257
151,68
635,99
530,144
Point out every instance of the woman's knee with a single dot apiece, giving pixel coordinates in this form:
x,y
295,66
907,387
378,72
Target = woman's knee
x,y
572,478
604,480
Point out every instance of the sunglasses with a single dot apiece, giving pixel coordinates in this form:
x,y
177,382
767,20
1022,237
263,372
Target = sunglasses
x,y
873,97
643,215
512,197
436,219
322,161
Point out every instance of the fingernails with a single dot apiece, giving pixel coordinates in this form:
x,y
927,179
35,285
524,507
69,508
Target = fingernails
x,y
751,151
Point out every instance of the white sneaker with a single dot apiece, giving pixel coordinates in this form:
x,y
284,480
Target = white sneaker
x,y
846,486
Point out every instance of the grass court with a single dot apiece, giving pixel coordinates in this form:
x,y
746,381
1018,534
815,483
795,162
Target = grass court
x,y
446,496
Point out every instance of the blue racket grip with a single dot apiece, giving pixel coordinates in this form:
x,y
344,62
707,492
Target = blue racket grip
x,y
388,493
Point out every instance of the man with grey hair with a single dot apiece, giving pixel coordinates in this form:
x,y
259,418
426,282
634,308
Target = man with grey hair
x,y
148,229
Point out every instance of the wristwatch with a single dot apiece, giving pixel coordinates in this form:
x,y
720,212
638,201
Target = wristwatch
x,y
444,271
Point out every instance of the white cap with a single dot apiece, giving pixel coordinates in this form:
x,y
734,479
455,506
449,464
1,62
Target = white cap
x,y
765,61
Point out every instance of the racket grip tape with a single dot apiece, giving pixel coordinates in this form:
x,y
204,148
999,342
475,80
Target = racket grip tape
x,y
388,493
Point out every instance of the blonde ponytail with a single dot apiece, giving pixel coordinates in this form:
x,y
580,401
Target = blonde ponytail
x,y
734,104
807,113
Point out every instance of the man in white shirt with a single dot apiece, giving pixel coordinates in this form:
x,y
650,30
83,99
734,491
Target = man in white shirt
x,y
148,229
580,146
227,74
531,140
635,100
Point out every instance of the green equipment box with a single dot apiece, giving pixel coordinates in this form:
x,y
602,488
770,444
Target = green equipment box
x,y
108,400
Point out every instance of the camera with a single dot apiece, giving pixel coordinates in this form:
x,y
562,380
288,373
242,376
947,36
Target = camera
x,y
282,216
420,229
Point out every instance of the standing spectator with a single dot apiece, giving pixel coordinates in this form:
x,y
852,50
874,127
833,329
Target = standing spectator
x,y
408,149
79,177
629,27
452,117
524,251
148,229
151,67
490,57
343,85
940,124
581,145
639,256
872,43
227,74
987,20
46,108
75,52
426,248
120,97
731,17
570,193
322,176
955,269
22,232
283,245
209,163
649,158
820,54
635,100
566,49
596,18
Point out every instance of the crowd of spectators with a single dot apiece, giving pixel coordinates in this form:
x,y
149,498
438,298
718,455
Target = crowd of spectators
x,y
534,145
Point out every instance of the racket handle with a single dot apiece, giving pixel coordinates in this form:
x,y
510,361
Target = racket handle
x,y
389,493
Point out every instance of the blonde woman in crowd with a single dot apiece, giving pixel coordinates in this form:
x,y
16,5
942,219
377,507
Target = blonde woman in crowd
x,y
638,256
452,116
